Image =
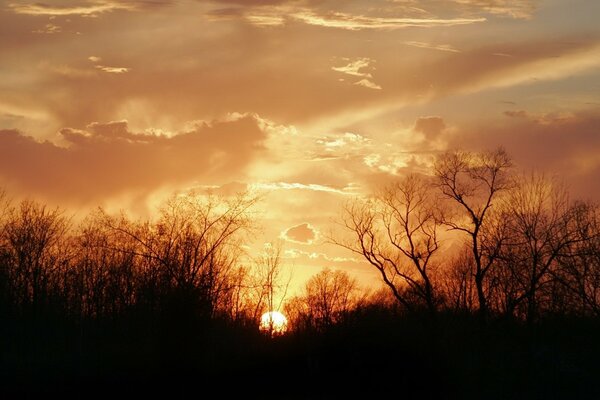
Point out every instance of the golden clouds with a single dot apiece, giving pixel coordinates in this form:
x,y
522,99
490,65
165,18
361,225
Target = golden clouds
x,y
49,29
89,9
106,159
424,45
522,9
368,84
113,70
361,22
357,68
333,98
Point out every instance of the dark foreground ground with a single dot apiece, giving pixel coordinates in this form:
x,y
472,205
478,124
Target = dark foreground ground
x,y
371,356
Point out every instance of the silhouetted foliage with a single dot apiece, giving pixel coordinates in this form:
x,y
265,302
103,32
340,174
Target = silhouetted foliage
x,y
472,182
397,232
327,299
172,304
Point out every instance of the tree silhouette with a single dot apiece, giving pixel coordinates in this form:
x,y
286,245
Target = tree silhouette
x,y
190,253
397,233
472,183
537,213
269,282
327,299
35,251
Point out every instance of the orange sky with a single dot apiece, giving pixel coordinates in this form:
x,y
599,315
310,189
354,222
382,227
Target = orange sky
x,y
309,102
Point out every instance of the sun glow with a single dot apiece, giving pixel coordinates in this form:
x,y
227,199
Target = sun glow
x,y
273,322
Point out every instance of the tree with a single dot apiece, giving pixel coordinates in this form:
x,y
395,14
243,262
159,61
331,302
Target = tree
x,y
35,252
190,253
327,299
457,283
397,233
472,182
579,263
537,213
268,280
104,280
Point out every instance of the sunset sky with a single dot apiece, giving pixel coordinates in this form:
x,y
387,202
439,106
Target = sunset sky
x,y
308,102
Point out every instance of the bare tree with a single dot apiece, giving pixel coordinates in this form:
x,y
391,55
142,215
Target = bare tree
x,y
35,248
104,280
537,213
269,284
457,282
327,298
579,262
5,285
397,233
472,182
192,249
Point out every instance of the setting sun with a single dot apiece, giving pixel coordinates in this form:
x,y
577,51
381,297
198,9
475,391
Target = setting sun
x,y
274,322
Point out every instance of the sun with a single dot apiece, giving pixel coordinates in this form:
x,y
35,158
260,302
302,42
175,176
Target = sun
x,y
273,322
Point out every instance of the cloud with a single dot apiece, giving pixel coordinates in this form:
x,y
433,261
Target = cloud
x,y
94,59
302,234
334,142
368,84
265,19
519,9
49,29
516,114
113,70
359,22
253,3
107,159
440,47
354,68
90,8
328,15
555,143
296,253
295,186
431,127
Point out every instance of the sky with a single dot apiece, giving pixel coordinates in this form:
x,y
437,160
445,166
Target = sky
x,y
310,103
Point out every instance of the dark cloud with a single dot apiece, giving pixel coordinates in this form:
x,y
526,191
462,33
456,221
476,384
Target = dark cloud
x,y
566,145
303,233
516,114
108,159
431,127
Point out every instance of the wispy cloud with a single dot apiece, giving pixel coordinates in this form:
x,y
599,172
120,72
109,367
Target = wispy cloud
x,y
92,8
295,186
360,22
113,70
357,68
440,47
265,19
280,15
338,141
520,9
296,253
368,84
49,29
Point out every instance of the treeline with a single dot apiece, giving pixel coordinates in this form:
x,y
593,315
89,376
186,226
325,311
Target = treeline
x,y
490,286
186,262
521,248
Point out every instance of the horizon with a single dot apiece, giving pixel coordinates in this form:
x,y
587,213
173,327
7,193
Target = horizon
x,y
308,103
